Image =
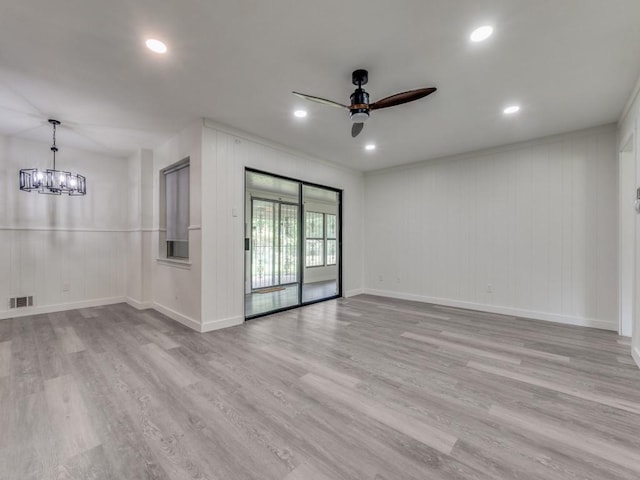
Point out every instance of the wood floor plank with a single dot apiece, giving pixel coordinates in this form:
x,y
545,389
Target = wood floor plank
x,y
519,351
412,427
70,415
558,387
91,464
6,411
51,356
626,360
32,448
5,330
312,366
365,387
25,366
5,359
462,348
159,338
69,339
307,472
614,453
123,445
169,366
161,433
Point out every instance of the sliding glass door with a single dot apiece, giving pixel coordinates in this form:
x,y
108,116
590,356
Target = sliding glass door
x,y
274,236
321,258
292,243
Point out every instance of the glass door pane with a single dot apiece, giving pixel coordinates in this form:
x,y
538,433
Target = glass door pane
x,y
288,243
321,252
263,236
271,243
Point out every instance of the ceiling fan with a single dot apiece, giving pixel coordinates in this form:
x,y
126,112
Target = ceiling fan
x,y
360,107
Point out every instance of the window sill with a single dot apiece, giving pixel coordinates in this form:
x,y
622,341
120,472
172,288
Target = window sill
x,y
172,262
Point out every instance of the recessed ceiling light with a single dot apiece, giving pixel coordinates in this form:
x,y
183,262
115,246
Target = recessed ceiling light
x,y
370,146
156,45
511,109
482,33
300,113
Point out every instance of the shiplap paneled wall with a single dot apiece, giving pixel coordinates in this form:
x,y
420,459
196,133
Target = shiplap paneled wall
x,y
527,229
226,153
140,223
54,242
629,133
176,290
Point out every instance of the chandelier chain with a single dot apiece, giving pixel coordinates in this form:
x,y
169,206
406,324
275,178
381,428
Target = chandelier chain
x,y
54,149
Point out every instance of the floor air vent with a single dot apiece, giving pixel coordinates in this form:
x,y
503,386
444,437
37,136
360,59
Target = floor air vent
x,y
20,302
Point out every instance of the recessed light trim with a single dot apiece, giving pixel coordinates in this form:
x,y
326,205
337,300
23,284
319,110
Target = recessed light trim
x,y
156,45
300,113
511,109
370,147
480,34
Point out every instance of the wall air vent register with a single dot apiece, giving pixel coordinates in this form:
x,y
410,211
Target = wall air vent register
x,y
21,302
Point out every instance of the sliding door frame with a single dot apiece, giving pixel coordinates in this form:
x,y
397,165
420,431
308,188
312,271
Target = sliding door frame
x,y
301,212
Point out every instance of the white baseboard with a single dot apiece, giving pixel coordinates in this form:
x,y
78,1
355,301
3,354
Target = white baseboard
x,y
516,312
139,305
222,323
635,353
195,324
178,317
353,293
59,307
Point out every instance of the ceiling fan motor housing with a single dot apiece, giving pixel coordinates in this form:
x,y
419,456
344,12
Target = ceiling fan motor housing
x,y
359,106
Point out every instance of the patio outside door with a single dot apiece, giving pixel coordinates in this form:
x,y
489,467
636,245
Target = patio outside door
x,y
292,243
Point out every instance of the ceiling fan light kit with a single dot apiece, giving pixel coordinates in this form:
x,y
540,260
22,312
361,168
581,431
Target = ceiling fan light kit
x,y
52,181
360,108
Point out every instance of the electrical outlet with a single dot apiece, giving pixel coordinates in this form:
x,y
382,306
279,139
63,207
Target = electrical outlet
x,y
380,279
489,288
397,279
66,287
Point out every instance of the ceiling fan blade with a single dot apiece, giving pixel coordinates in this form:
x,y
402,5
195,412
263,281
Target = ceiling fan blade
x,y
323,101
400,98
356,128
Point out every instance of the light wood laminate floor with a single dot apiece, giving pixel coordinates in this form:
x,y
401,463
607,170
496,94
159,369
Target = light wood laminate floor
x,y
360,388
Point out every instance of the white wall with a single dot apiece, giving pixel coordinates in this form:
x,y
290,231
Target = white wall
x,y
176,286
226,153
629,130
140,224
627,239
53,242
534,223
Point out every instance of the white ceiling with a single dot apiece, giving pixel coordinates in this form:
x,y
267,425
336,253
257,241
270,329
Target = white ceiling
x,y
570,64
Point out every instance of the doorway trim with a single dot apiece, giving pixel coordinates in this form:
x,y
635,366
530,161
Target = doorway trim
x,y
301,210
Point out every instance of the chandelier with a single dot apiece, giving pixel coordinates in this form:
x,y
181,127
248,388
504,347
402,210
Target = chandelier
x,y
52,181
